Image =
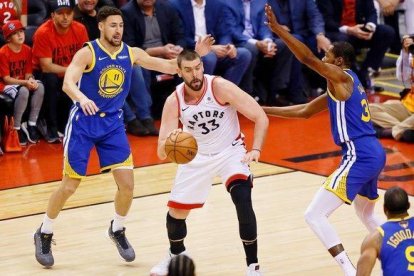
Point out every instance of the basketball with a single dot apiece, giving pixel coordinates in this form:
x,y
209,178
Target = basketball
x,y
181,147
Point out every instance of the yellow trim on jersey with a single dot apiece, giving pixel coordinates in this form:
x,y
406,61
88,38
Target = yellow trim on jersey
x,y
92,65
340,189
329,92
400,219
113,56
330,95
69,171
380,230
131,55
127,162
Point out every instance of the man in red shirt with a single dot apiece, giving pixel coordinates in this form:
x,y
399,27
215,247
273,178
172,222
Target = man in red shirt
x,y
54,44
17,81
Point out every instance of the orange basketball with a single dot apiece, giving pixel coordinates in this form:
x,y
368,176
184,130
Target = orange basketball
x,y
181,148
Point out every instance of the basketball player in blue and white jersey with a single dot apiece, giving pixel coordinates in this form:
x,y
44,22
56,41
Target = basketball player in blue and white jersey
x,y
393,242
98,81
207,108
363,156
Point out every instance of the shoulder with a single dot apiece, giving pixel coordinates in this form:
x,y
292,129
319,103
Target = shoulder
x,y
45,28
77,26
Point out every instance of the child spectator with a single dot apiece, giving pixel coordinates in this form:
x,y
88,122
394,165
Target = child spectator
x,y
18,82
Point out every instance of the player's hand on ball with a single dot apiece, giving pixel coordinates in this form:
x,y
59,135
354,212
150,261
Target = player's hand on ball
x,y
175,132
88,106
251,156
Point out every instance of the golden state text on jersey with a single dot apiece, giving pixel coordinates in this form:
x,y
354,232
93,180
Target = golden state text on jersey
x,y
107,80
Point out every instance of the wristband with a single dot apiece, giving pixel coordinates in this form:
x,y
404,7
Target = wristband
x,y
257,150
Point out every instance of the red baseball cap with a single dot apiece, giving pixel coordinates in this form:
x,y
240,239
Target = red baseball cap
x,y
11,27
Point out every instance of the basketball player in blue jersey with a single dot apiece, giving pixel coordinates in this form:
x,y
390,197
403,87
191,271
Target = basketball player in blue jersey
x,y
98,81
392,242
363,156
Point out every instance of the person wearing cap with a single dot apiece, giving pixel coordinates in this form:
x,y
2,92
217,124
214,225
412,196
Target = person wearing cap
x,y
12,10
54,45
17,81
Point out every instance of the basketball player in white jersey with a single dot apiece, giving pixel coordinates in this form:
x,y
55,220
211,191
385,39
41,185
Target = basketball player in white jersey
x,y
207,107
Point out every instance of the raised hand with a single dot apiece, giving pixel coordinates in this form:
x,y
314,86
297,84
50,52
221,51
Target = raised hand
x,y
271,18
203,45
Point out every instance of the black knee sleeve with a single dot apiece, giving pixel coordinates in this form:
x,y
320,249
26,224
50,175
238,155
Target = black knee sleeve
x,y
240,191
176,228
408,136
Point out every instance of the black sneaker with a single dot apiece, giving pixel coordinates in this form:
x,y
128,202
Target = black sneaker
x,y
52,136
43,250
31,133
136,128
125,249
22,137
149,124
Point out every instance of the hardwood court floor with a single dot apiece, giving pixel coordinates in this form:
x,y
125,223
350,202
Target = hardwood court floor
x,y
297,156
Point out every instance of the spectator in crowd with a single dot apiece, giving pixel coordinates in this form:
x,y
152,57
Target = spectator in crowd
x,y
395,118
202,17
303,20
155,27
85,12
12,10
273,58
391,10
54,44
355,21
18,82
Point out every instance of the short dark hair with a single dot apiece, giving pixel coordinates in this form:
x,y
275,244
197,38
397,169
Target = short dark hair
x,y
396,201
187,55
345,50
107,11
181,265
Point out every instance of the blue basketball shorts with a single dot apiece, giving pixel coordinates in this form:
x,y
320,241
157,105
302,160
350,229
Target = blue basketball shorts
x,y
362,162
105,131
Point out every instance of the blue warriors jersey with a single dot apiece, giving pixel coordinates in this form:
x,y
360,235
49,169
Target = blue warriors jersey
x,y
350,119
397,248
107,80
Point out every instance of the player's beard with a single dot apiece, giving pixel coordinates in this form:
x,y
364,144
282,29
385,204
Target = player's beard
x,y
113,42
195,84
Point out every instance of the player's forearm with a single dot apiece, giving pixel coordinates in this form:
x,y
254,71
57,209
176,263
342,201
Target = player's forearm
x,y
260,131
294,111
300,50
161,150
72,90
13,81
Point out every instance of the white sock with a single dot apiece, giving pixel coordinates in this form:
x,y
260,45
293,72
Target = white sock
x,y
32,123
47,225
345,263
118,223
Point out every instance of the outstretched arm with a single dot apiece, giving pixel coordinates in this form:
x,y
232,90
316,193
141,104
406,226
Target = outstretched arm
x,y
369,252
302,52
299,111
203,47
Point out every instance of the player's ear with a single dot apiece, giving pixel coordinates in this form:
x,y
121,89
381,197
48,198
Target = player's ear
x,y
179,72
100,26
339,61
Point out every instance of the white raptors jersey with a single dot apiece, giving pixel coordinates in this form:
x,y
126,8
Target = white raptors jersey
x,y
215,126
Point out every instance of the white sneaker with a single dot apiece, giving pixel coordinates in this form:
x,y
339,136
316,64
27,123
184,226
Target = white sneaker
x,y
253,270
161,269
